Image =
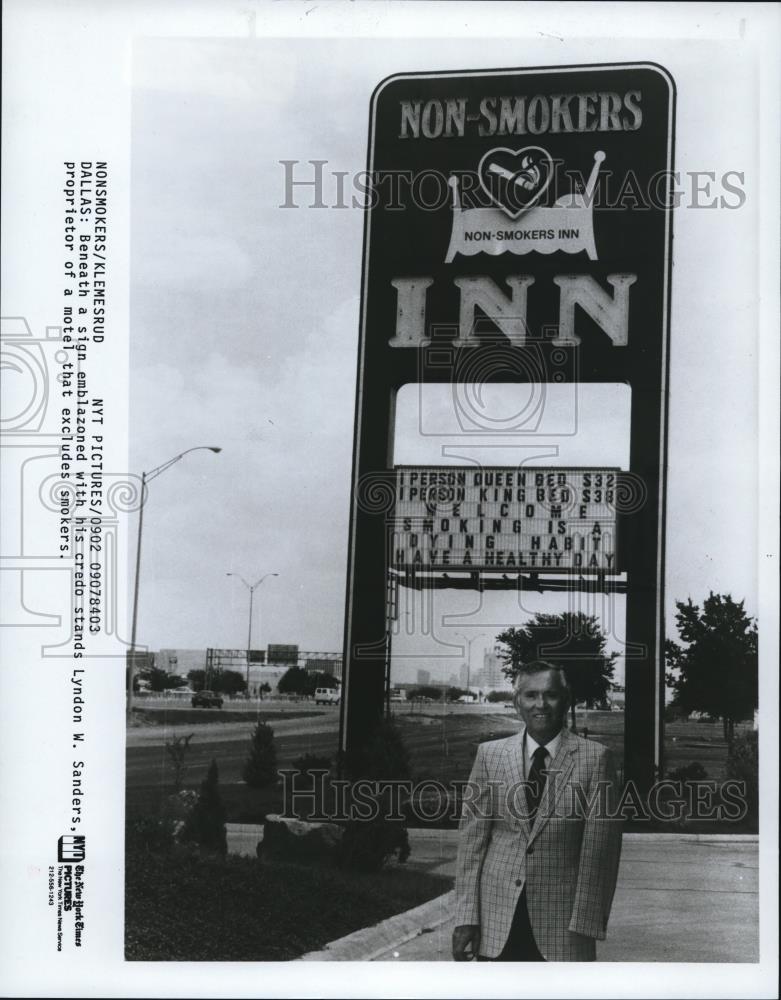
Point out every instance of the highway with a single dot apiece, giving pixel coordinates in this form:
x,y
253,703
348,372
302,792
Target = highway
x,y
439,744
148,761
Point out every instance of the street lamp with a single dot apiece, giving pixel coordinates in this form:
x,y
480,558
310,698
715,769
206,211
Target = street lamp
x,y
251,588
147,477
460,635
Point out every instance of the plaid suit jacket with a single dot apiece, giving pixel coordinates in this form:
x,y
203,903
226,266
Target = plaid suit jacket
x,y
567,858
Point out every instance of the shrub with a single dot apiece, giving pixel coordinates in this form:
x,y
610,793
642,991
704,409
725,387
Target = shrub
x,y
688,772
312,762
205,825
260,770
674,713
383,758
743,765
306,796
368,844
151,834
177,748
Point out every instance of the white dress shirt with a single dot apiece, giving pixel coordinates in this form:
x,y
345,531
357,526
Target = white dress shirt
x,y
530,745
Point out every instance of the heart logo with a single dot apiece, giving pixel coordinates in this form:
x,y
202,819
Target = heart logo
x,y
515,180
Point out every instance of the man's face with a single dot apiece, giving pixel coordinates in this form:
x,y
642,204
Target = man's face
x,y
542,704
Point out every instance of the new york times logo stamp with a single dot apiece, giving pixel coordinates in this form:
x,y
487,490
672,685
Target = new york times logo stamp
x,y
66,888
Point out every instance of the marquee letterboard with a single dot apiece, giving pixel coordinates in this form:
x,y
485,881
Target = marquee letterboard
x,y
538,519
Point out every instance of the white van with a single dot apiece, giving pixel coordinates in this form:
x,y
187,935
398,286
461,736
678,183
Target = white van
x,y
327,696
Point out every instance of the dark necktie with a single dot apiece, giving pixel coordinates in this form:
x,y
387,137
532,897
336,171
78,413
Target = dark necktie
x,y
536,781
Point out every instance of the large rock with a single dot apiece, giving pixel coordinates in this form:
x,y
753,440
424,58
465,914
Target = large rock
x,y
297,840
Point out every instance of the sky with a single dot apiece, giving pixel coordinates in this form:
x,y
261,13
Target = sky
x,y
244,334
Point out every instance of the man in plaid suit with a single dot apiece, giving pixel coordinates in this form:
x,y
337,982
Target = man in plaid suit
x,y
540,842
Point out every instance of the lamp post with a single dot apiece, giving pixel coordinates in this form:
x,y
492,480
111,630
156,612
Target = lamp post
x,y
251,588
147,477
460,635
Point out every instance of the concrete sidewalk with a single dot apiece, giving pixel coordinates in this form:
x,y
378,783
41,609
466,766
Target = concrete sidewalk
x,y
680,898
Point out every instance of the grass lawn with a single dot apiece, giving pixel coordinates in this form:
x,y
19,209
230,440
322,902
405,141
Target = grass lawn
x,y
181,907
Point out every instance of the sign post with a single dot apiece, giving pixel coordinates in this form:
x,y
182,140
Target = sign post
x,y
519,230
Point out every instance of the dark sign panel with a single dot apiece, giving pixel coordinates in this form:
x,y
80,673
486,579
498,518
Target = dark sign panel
x,y
519,231
283,653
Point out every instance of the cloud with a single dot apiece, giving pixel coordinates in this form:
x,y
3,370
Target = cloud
x,y
229,69
184,260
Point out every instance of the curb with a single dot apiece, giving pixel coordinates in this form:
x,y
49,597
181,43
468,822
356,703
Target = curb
x,y
701,838
371,942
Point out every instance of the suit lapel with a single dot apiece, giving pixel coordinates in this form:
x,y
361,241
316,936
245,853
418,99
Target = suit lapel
x,y
515,777
562,764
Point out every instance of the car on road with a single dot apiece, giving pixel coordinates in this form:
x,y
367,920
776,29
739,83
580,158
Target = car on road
x,y
206,699
327,696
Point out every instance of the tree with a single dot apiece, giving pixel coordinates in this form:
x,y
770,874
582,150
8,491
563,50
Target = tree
x,y
197,679
206,823
454,693
260,769
265,688
425,691
716,671
161,680
223,681
571,640
229,682
295,680
177,748
320,680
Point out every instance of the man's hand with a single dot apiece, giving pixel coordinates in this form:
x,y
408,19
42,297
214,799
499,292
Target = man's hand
x,y
466,942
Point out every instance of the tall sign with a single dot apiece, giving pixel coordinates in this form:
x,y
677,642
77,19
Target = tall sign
x,y
518,230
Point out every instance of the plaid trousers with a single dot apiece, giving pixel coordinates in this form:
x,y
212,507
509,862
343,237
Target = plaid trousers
x,y
567,857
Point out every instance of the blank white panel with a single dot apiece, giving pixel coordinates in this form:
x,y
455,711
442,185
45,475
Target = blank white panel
x,y
509,424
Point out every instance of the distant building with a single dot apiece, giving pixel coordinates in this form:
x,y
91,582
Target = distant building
x,y
424,677
265,666
331,665
183,661
492,677
180,661
259,675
